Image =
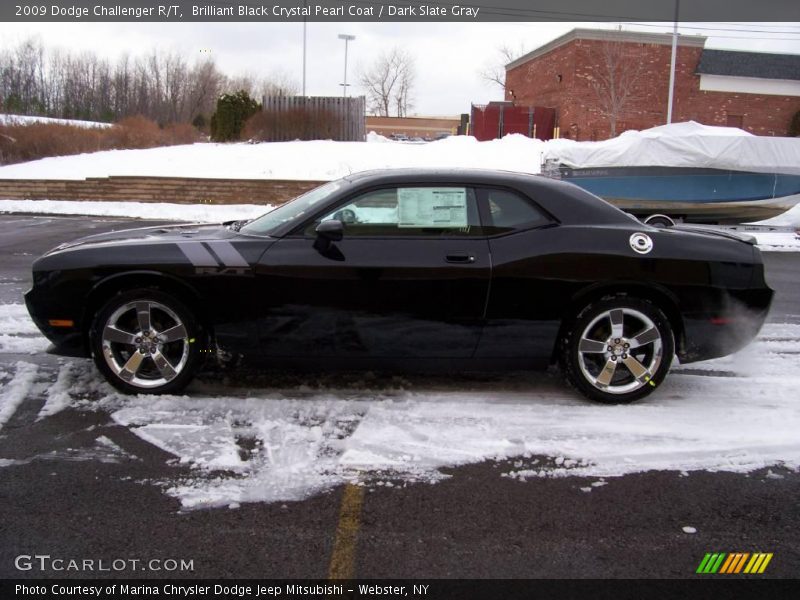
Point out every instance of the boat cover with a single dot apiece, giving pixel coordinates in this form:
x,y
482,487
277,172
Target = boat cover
x,y
687,144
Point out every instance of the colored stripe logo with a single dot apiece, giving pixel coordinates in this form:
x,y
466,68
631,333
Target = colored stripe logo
x,y
729,563
212,254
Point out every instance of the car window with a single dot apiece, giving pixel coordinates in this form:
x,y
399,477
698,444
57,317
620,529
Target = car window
x,y
409,211
294,209
508,211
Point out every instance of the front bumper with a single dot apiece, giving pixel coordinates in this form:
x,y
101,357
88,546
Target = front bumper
x,y
66,341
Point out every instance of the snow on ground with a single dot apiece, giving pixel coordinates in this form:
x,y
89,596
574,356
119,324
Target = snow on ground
x,y
20,335
57,395
13,392
194,213
25,120
14,319
266,439
13,344
320,160
777,241
315,160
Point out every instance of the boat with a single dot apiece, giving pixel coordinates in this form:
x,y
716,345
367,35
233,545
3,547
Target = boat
x,y
687,171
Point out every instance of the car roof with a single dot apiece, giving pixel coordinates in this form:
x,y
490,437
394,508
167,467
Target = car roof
x,y
429,174
569,203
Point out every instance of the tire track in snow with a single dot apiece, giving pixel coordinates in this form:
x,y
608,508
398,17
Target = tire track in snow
x,y
16,390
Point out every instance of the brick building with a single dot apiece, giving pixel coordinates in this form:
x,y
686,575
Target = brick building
x,y
758,92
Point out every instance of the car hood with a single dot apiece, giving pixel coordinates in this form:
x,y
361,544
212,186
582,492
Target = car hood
x,y
151,235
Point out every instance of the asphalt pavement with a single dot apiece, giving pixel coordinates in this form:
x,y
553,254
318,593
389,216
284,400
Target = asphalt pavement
x,y
475,524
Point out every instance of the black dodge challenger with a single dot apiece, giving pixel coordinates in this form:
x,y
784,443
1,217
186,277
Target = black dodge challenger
x,y
412,269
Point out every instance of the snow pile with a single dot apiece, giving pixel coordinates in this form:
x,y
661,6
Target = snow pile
x,y
316,160
20,335
683,145
6,119
678,145
14,319
193,213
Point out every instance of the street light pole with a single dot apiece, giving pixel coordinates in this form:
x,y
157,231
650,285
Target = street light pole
x,y
347,38
304,47
672,62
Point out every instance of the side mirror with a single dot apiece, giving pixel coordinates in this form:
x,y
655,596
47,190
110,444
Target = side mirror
x,y
327,233
330,231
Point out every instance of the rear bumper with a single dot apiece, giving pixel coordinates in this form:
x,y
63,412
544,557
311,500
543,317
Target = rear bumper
x,y
720,333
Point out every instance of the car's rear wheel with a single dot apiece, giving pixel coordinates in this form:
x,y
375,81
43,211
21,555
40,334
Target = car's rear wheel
x,y
146,341
618,349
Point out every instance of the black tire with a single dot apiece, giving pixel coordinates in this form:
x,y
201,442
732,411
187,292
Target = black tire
x,y
161,361
616,373
660,221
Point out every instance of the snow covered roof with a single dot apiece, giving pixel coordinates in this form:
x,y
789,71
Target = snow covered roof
x,y
750,64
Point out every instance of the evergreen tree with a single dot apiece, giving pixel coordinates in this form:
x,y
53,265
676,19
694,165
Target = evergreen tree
x,y
232,111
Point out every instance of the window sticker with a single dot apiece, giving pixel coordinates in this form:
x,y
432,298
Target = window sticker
x,y
432,207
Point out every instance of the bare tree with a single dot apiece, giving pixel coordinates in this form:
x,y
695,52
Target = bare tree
x,y
389,83
162,87
495,73
278,83
204,89
615,81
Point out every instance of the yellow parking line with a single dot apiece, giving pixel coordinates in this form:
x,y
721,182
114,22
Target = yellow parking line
x,y
343,557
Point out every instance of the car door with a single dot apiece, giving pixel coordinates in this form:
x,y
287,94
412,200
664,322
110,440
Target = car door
x,y
409,279
527,291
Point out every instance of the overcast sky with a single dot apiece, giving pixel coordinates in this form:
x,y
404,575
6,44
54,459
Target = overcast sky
x,y
449,56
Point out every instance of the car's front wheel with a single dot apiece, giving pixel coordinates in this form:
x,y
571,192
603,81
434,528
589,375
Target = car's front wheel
x,y
146,341
618,349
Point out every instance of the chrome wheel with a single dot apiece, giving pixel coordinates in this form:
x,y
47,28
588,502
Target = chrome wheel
x,y
620,350
145,344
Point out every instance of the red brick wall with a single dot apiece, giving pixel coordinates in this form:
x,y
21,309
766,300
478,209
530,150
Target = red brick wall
x,y
579,117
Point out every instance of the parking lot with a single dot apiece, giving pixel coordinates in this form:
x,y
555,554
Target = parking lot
x,y
291,475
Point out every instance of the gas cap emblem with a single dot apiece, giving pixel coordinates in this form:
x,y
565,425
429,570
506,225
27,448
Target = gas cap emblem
x,y
641,243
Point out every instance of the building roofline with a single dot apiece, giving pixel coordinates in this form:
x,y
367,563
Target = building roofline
x,y
640,37
756,65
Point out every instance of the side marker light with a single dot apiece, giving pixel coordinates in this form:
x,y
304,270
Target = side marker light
x,y
61,323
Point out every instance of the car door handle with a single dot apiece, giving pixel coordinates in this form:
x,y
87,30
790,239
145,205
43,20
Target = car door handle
x,y
460,258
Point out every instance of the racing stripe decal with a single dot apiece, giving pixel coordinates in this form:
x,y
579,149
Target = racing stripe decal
x,y
197,254
227,254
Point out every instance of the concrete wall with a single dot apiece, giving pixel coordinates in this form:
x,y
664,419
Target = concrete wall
x,y
158,189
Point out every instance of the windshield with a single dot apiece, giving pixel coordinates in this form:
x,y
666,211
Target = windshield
x,y
300,206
